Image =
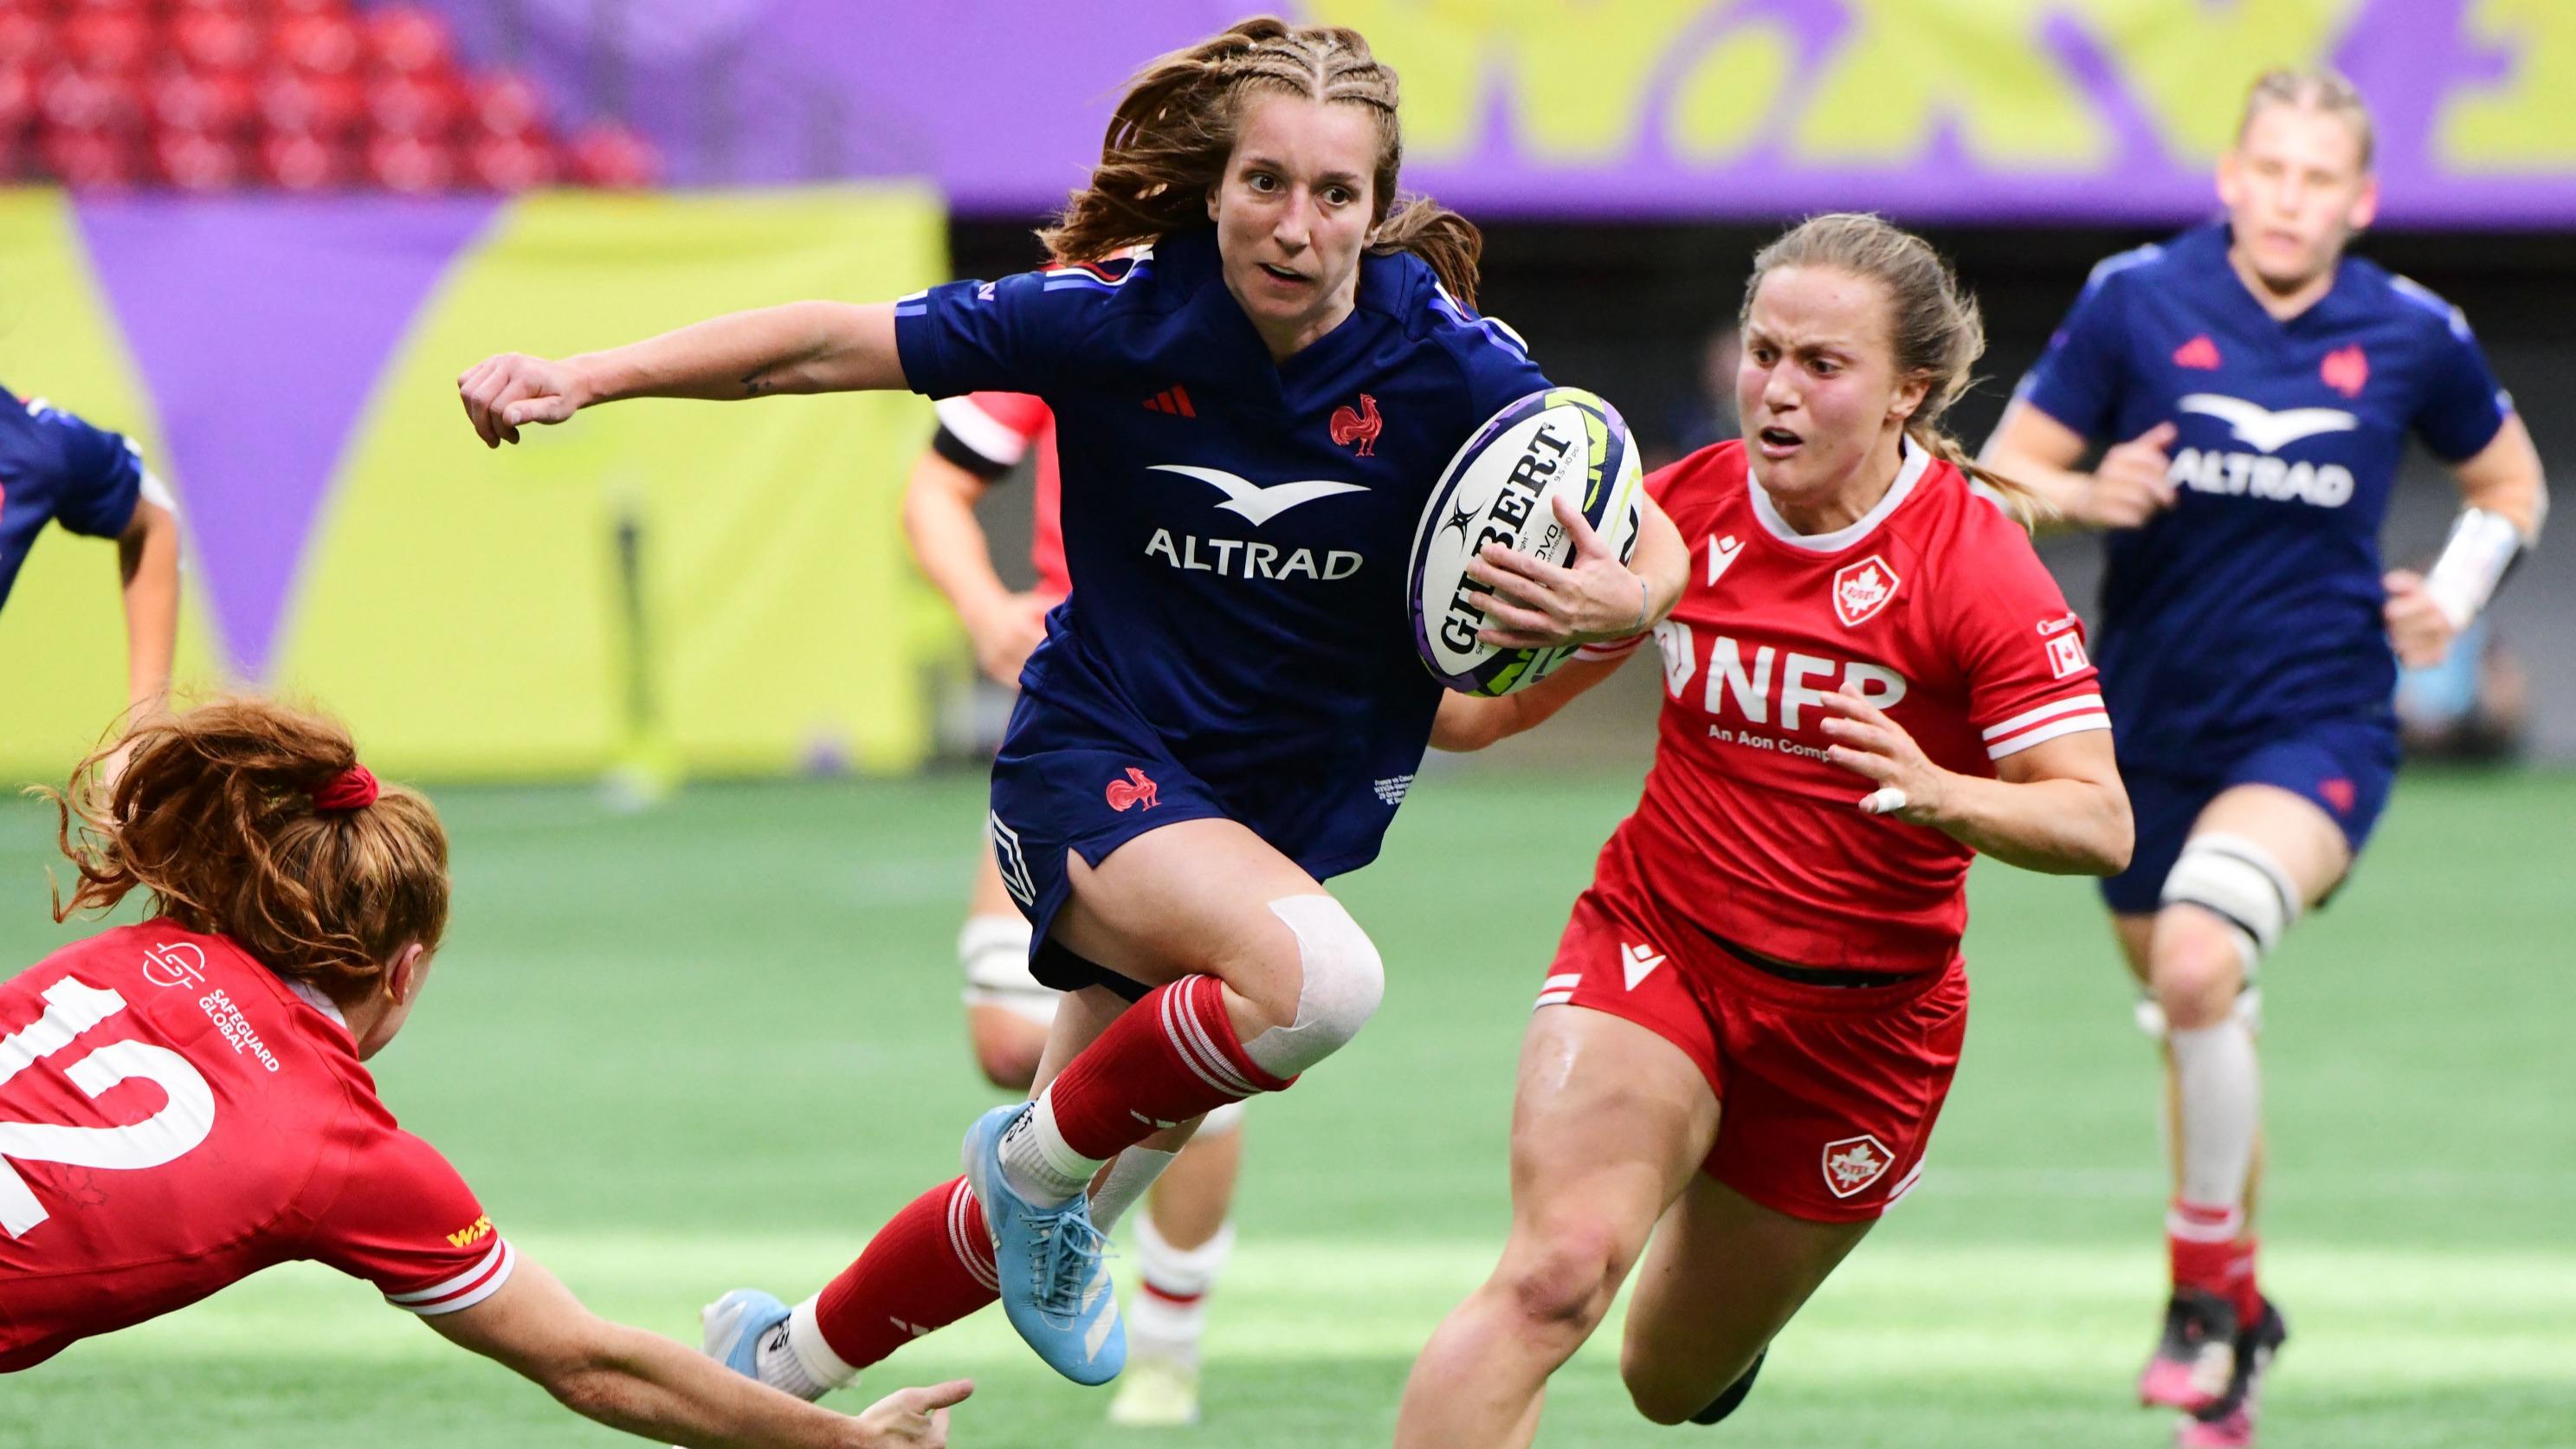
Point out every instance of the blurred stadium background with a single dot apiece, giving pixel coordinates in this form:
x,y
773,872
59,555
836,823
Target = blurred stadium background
x,y
262,236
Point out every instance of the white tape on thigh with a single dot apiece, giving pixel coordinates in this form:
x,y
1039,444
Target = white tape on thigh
x,y
1341,982
2236,880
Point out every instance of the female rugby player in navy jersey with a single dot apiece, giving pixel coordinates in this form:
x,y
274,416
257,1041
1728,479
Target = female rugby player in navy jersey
x,y
1253,407
54,467
2265,383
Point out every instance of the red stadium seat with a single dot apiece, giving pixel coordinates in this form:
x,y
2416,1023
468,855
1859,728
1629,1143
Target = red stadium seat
x,y
108,41
324,45
510,163
403,105
92,160
407,40
612,157
411,163
220,102
74,100
17,98
293,161
199,161
26,38
217,39
509,105
330,107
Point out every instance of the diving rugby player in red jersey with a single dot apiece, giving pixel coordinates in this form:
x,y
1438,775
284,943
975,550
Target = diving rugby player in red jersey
x,y
1753,1017
185,1102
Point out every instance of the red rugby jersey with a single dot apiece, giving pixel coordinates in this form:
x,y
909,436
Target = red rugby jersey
x,y
1935,609
999,428
174,1117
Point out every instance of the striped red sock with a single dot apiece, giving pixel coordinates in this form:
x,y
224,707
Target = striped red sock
x,y
929,1267
1168,1058
2201,1243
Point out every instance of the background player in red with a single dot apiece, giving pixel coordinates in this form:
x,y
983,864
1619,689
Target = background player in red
x,y
1753,1017
183,1102
1183,1238
2265,382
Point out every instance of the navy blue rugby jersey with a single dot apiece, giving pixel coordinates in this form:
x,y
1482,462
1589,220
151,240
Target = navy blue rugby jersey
x,y
2253,604
53,465
1240,526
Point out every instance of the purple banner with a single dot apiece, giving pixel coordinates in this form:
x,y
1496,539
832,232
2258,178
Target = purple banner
x,y
2008,110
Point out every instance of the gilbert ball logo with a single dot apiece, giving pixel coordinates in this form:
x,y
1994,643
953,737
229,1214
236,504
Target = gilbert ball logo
x,y
1862,589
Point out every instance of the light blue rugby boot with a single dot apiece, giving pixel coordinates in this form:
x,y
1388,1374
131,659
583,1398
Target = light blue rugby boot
x,y
736,1324
1055,1284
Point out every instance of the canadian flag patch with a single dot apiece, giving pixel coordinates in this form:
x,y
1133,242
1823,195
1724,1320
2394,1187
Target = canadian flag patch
x,y
1862,589
2066,655
1853,1163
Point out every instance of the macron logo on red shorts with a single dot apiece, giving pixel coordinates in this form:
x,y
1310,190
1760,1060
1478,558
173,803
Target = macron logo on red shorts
x,y
1853,1163
1134,790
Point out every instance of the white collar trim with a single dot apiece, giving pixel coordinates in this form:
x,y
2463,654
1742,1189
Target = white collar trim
x,y
1917,462
314,998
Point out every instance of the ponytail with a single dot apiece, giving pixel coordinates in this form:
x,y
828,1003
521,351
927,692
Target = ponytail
x,y
247,819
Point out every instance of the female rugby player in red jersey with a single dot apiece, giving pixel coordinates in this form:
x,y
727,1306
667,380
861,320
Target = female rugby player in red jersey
x,y
1754,1014
183,1102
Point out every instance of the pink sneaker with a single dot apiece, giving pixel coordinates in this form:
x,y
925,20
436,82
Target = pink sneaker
x,y
2229,1423
2196,1359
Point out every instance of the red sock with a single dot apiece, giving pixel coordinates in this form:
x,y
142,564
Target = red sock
x,y
2249,1299
929,1267
2202,1244
1167,1059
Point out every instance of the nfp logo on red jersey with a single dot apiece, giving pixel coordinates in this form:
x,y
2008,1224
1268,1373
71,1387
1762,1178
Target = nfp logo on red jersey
x,y
1769,685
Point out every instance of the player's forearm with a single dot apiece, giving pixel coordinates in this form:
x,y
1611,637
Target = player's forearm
x,y
2060,490
654,1388
1662,559
950,547
2055,826
1467,722
801,347
148,561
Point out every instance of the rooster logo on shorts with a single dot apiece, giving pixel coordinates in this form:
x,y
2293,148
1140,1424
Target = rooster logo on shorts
x,y
1853,1163
1134,790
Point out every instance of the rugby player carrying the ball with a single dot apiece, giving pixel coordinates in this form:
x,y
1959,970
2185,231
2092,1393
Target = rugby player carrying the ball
x,y
1753,1017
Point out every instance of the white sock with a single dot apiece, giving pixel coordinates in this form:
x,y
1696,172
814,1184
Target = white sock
x,y
1038,1163
2220,1093
1133,1172
793,1357
1169,1313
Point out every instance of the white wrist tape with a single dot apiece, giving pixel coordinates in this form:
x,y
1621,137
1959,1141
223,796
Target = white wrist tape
x,y
2482,546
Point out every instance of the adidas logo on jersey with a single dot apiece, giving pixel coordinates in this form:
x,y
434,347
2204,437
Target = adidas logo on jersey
x,y
1174,400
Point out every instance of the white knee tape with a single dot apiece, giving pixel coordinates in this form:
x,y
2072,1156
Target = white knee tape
x,y
994,953
2236,880
1219,1121
1342,982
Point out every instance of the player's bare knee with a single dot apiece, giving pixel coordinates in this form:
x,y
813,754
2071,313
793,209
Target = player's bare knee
x,y
2198,969
1562,1280
1340,981
2226,904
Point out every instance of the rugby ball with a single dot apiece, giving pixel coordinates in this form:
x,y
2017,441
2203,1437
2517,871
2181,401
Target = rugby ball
x,y
1498,489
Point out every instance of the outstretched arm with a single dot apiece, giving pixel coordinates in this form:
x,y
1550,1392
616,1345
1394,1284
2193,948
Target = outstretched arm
x,y
949,545
1471,722
799,347
650,1386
